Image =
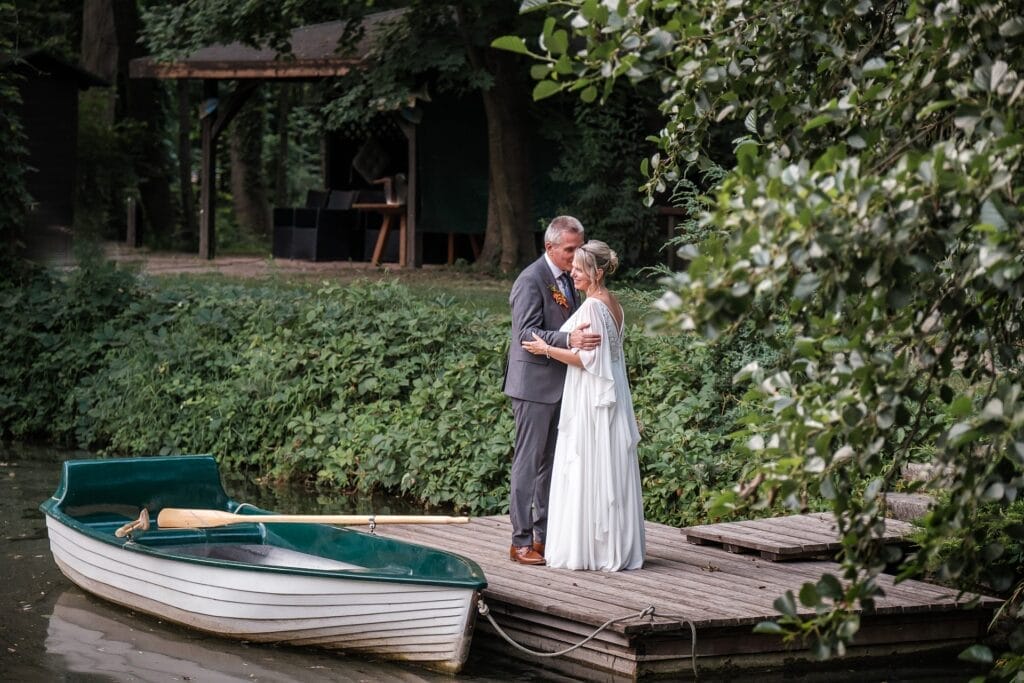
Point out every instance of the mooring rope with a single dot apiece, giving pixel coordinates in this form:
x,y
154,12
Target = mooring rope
x,y
648,612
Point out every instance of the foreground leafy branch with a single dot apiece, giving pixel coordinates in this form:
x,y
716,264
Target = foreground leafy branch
x,y
874,204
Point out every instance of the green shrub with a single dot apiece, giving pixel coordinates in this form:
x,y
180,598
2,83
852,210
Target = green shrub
x,y
363,388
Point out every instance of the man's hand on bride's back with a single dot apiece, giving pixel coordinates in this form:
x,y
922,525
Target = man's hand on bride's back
x,y
581,338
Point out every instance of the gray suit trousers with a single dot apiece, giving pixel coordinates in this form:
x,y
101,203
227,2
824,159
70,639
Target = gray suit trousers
x,y
536,432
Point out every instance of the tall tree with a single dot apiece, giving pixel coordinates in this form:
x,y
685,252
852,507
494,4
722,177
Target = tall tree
x,y
110,39
248,187
14,197
875,203
508,240
280,157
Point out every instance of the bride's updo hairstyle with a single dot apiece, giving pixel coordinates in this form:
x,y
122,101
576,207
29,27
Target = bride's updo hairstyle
x,y
593,256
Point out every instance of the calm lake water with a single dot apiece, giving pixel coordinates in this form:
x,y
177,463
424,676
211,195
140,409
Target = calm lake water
x,y
50,630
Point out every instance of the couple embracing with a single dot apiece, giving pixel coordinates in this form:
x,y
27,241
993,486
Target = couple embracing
x,y
575,486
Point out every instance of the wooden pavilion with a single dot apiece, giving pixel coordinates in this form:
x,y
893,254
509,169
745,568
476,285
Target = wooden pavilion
x,y
314,55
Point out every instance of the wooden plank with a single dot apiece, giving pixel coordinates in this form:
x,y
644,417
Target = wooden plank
x,y
637,586
791,537
907,594
777,542
722,594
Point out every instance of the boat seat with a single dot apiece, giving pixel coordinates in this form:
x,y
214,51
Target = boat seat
x,y
187,481
238,533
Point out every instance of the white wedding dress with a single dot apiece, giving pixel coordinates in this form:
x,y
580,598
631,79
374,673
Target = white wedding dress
x,y
595,512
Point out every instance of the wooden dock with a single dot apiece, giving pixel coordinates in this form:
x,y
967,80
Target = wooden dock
x,y
797,537
722,594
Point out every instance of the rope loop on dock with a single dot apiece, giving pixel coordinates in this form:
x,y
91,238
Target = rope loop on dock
x,y
648,612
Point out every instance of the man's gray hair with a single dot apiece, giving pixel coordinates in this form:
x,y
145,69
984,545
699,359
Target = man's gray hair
x,y
561,225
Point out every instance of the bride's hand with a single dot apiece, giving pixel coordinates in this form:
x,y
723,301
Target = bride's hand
x,y
537,346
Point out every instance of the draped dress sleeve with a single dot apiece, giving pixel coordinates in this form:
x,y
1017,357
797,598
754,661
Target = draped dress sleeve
x,y
597,363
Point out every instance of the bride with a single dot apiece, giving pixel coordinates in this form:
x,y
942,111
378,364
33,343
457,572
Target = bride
x,y
595,513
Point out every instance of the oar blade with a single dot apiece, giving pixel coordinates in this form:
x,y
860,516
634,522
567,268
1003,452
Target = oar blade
x,y
181,518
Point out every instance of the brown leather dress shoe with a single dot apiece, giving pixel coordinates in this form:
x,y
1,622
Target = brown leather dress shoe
x,y
525,555
538,548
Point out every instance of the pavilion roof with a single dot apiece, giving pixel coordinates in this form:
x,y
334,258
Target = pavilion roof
x,y
314,54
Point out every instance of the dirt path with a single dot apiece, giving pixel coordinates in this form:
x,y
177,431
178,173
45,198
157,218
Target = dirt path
x,y
169,263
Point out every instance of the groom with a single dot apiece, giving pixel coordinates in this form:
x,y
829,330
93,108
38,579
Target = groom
x,y
542,299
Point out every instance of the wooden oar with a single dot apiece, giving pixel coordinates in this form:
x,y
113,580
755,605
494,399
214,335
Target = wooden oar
x,y
182,518
140,524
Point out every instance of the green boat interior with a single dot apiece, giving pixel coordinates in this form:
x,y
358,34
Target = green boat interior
x,y
98,497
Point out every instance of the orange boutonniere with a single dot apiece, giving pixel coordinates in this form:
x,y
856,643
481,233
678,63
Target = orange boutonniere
x,y
557,295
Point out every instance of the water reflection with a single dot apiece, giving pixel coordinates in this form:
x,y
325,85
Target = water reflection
x,y
96,638
295,498
53,631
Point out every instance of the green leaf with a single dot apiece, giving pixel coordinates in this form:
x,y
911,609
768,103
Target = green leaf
x,y
1011,27
746,154
809,595
876,66
559,42
978,654
829,586
988,76
817,122
960,407
750,121
531,5
589,94
540,71
786,604
510,43
769,628
545,34
806,286
834,344
827,489
991,215
934,107
546,89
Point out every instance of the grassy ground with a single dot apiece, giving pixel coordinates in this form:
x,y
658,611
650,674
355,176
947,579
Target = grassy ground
x,y
472,289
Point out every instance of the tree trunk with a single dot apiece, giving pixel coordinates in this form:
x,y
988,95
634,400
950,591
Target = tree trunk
x,y
99,45
247,188
110,34
508,239
189,227
284,107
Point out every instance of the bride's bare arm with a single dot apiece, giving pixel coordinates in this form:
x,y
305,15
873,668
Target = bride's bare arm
x,y
539,347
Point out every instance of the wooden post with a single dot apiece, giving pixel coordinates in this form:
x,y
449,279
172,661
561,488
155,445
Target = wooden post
x,y
215,118
672,214
208,172
133,236
413,247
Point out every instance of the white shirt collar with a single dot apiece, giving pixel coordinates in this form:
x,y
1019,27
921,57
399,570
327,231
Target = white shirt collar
x,y
556,272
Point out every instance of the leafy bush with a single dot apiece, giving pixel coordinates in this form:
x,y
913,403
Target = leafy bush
x,y
364,388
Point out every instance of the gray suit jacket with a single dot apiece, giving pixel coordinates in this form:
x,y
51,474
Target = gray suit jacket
x,y
534,309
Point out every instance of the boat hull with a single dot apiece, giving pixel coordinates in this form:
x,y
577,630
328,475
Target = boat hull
x,y
270,582
429,625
